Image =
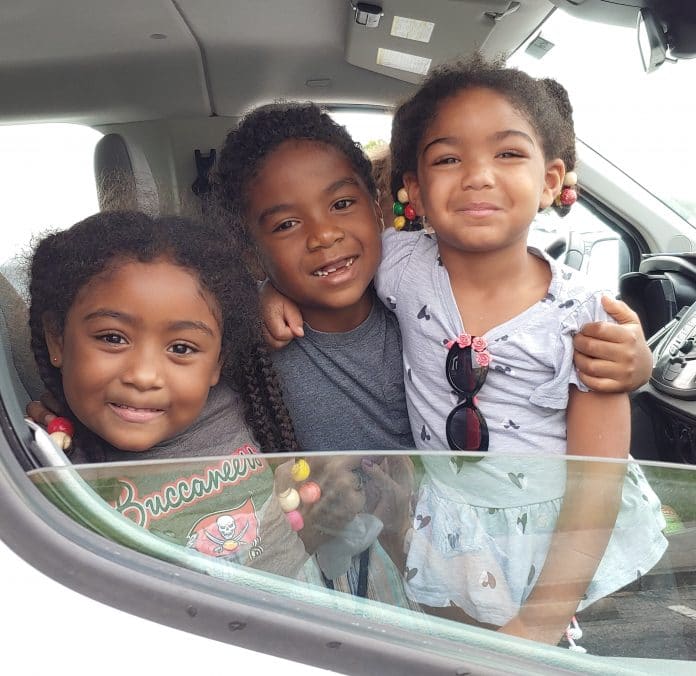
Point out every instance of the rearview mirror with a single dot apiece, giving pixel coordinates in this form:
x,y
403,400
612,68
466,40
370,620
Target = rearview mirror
x,y
652,40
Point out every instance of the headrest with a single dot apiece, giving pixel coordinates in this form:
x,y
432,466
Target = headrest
x,y
15,337
124,178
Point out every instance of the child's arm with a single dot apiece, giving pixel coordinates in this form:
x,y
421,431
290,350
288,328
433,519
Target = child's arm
x,y
598,426
282,321
389,492
613,357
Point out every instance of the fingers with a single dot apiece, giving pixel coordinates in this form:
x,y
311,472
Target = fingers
x,y
616,352
601,348
39,413
273,342
627,334
619,311
282,320
340,499
607,385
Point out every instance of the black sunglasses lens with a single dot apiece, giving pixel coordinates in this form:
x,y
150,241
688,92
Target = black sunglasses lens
x,y
463,374
466,429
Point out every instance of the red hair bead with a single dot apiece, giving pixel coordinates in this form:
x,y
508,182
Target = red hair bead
x,y
61,425
410,212
568,196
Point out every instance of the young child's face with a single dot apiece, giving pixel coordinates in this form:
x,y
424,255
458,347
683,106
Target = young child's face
x,y
482,175
139,353
316,228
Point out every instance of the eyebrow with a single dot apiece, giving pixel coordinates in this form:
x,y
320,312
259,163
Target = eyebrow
x,y
113,314
497,136
333,187
346,180
185,324
271,211
501,135
180,325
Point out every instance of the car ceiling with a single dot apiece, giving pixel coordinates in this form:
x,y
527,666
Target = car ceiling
x,y
100,61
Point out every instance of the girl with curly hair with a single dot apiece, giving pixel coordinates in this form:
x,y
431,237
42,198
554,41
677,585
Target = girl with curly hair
x,y
146,331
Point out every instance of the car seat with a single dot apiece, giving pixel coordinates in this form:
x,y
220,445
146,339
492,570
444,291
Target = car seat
x,y
124,178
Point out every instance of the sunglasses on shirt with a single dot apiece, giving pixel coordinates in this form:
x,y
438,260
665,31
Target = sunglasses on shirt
x,y
466,369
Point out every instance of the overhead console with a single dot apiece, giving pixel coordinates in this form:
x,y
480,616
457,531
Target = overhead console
x,y
405,39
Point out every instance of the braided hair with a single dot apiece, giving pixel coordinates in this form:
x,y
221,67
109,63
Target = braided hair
x,y
258,134
64,262
543,102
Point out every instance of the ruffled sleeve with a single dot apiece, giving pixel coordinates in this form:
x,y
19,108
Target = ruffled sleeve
x,y
554,393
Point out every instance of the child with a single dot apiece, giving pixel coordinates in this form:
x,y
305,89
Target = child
x,y
302,191
146,332
303,195
487,329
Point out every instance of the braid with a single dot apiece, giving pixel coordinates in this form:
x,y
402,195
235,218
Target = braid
x,y
266,413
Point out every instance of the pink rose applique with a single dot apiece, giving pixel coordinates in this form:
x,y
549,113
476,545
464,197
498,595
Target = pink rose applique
x,y
479,344
464,340
483,358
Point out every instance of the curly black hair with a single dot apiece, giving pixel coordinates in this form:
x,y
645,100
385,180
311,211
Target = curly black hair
x,y
543,102
258,134
65,261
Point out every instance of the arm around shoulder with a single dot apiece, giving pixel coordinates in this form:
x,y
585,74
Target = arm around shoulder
x,y
613,357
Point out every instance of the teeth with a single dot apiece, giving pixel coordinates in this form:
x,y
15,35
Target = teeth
x,y
326,272
132,408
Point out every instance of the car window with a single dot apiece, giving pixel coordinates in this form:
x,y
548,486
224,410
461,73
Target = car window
x,y
370,128
241,536
645,135
47,175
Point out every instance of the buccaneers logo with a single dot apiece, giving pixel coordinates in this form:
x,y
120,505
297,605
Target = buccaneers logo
x,y
223,534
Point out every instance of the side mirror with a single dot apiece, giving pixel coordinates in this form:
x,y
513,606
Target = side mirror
x,y
652,40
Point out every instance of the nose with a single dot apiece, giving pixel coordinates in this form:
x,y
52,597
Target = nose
x,y
477,174
144,369
322,233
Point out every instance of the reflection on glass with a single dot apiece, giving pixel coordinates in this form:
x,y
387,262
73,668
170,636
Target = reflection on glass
x,y
489,544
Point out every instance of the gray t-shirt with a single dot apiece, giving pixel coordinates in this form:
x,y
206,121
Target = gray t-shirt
x,y
222,506
345,391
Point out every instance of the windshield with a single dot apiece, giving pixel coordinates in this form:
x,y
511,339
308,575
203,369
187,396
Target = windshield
x,y
640,122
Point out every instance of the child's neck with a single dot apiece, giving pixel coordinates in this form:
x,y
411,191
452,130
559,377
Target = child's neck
x,y
342,319
491,288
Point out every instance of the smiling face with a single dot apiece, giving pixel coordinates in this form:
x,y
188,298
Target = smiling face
x,y
482,175
139,353
316,228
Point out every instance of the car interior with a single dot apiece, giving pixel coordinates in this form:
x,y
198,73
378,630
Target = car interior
x,y
161,82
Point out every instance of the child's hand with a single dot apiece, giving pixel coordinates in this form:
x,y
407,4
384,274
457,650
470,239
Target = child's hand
x,y
282,321
613,357
389,491
342,497
43,411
